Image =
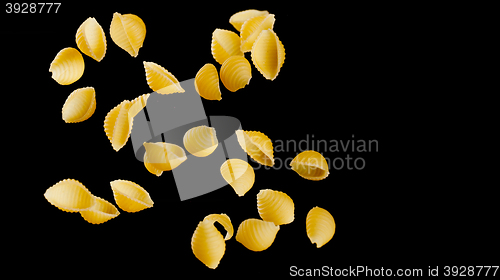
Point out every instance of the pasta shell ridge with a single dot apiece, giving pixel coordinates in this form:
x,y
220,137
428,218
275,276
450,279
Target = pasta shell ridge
x,y
79,106
239,174
206,82
251,29
67,67
69,195
116,125
102,211
268,54
91,40
225,44
257,145
256,235
275,206
310,165
160,80
128,32
239,18
200,141
162,156
136,106
130,197
235,73
320,226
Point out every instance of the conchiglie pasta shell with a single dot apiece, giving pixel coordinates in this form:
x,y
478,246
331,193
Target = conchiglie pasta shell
x,y
162,156
268,54
130,197
128,32
102,211
67,67
256,235
239,18
206,82
320,226
160,80
91,40
207,242
79,106
225,44
70,195
200,141
310,165
235,73
275,206
257,145
116,125
136,106
239,174
251,29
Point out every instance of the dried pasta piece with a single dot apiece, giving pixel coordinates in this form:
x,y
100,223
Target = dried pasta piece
x,y
256,235
275,206
257,145
102,211
320,226
128,32
91,40
310,165
239,174
79,106
160,80
239,18
268,54
116,125
70,195
136,106
251,29
207,242
236,73
200,141
130,196
225,44
67,67
162,156
206,82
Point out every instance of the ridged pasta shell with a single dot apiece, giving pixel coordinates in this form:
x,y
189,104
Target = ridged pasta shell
x,y
160,80
275,206
310,165
67,67
70,195
206,82
225,44
251,29
257,145
256,235
207,242
102,211
239,174
130,197
162,156
200,141
91,40
128,32
320,226
79,106
235,73
136,106
268,54
116,125
239,18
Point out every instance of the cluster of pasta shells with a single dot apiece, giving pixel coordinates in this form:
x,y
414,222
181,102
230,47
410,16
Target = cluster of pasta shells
x,y
257,145
200,141
310,165
79,106
239,174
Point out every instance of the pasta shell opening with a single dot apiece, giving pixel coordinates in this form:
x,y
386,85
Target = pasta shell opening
x,y
102,211
310,165
130,197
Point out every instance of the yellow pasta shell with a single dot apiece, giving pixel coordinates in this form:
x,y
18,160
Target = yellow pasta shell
x,y
275,206
79,106
162,156
239,174
256,235
225,44
91,40
160,80
70,195
67,67
128,32
206,82
136,106
239,18
320,226
251,29
200,141
310,165
257,145
102,211
130,197
235,73
268,54
207,242
116,125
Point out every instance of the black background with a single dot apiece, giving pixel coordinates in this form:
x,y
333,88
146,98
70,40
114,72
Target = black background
x,y
349,70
